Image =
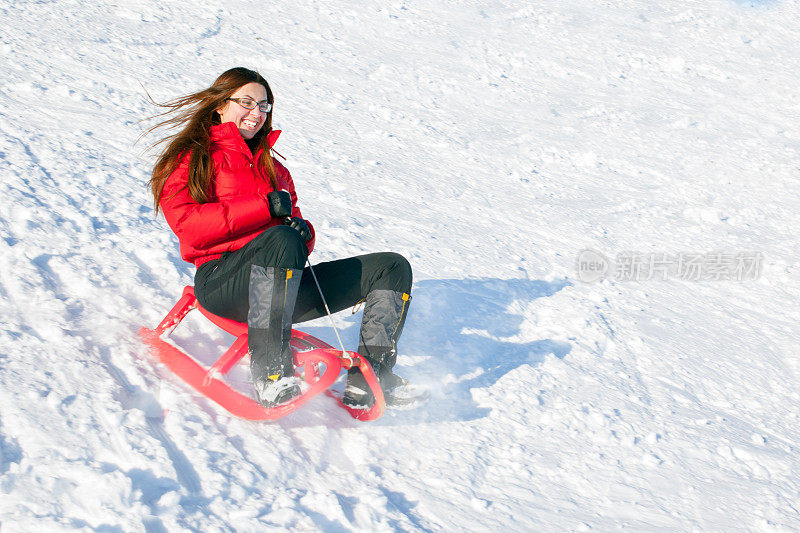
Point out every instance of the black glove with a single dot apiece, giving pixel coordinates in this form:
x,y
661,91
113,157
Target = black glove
x,y
280,204
300,225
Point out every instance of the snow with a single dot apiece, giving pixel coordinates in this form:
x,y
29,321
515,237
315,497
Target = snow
x,y
490,143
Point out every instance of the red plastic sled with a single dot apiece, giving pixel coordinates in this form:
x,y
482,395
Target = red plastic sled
x,y
321,364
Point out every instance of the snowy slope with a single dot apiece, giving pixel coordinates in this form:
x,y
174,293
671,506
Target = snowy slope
x,y
488,142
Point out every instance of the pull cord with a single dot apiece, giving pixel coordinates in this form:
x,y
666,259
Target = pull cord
x,y
327,310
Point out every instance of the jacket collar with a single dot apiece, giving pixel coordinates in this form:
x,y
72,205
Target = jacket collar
x,y
227,134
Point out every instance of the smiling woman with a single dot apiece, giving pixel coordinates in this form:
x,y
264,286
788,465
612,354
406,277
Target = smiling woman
x,y
197,114
234,210
247,108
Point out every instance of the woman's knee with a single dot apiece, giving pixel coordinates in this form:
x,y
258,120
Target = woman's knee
x,y
395,272
281,247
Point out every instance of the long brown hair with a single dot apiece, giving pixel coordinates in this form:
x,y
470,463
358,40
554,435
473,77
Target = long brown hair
x,y
196,113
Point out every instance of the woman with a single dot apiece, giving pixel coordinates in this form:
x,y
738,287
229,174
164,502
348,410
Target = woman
x,y
234,210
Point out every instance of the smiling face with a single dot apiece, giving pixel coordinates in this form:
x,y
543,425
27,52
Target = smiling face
x,y
249,121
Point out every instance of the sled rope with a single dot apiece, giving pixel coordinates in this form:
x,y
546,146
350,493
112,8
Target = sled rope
x,y
327,310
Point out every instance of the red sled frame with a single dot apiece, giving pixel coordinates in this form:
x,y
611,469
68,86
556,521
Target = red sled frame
x,y
321,364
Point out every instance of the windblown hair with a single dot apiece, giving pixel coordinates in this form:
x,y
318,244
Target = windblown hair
x,y
195,114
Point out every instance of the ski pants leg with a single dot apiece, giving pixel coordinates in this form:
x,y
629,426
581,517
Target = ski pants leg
x,y
222,285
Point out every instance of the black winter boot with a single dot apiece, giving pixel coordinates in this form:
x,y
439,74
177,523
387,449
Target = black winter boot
x,y
385,314
397,391
273,292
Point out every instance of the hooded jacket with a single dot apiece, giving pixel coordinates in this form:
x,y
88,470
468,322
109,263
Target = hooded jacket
x,y
237,210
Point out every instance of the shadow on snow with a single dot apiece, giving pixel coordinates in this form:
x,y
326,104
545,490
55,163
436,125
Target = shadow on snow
x,y
460,335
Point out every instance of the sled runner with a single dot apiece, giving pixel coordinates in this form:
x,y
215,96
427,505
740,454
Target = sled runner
x,y
315,361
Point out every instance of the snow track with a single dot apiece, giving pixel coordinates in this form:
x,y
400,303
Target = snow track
x,y
488,143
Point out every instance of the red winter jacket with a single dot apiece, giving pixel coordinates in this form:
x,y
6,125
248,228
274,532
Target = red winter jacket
x,y
237,210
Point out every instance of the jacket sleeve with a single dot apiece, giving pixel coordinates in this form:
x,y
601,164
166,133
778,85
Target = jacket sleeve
x,y
296,212
202,225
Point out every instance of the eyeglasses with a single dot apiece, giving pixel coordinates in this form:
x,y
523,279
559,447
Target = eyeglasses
x,y
249,103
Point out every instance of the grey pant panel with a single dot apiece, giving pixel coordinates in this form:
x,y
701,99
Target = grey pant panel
x,y
266,285
272,292
382,323
290,298
262,288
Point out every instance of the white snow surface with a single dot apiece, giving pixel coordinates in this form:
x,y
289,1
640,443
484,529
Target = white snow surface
x,y
488,142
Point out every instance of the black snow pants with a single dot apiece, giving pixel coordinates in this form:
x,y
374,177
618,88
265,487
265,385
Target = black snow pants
x,y
222,285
